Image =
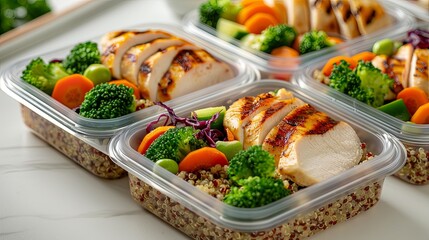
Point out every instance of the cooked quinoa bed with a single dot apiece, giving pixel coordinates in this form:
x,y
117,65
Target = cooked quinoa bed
x,y
416,169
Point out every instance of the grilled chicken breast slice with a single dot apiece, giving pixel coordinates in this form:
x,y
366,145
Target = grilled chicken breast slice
x,y
370,15
346,20
192,70
154,68
311,147
399,64
135,56
322,16
258,127
111,55
298,14
419,70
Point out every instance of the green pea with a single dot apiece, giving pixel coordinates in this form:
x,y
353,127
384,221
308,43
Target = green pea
x,y
168,164
384,47
98,73
229,148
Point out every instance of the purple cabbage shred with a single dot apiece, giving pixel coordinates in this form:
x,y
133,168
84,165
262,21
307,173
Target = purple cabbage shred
x,y
418,38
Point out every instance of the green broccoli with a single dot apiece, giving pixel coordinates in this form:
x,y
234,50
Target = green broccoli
x,y
175,144
271,38
313,41
43,75
255,192
254,161
81,56
106,101
212,10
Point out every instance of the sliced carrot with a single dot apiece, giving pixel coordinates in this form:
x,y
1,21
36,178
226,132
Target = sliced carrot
x,y
327,69
285,52
421,116
260,21
365,56
286,58
202,158
71,90
246,3
229,135
150,137
297,41
413,97
335,40
128,84
251,10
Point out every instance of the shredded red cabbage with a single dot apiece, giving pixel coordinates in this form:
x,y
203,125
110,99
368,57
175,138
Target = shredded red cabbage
x,y
418,38
206,133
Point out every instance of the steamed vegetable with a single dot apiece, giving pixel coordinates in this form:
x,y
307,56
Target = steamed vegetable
x,y
413,98
150,137
327,69
314,41
129,84
98,73
81,57
202,158
271,38
212,10
71,90
396,109
421,116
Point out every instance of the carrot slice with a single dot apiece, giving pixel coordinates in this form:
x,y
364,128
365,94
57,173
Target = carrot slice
x,y
413,97
251,10
150,137
128,84
246,3
229,135
335,40
260,21
365,56
202,158
71,90
327,69
421,116
285,52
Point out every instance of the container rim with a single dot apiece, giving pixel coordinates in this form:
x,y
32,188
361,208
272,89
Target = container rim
x,y
413,8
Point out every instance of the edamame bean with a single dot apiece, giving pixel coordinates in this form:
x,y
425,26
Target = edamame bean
x,y
168,164
98,73
384,46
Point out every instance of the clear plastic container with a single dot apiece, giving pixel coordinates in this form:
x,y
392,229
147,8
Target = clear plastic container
x,y
85,140
285,68
298,215
418,9
415,137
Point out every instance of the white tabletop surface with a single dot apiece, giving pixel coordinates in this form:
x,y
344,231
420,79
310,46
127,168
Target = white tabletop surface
x,y
45,195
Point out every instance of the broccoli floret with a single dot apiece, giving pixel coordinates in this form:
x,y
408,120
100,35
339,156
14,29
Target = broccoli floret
x,y
175,144
313,41
43,75
255,192
106,101
345,80
254,161
373,79
277,36
81,56
212,10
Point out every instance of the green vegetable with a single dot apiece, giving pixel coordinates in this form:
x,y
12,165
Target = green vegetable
x,y
271,38
384,46
106,101
255,192
313,41
175,144
81,57
231,29
212,10
98,73
207,113
253,161
229,148
168,164
397,109
42,75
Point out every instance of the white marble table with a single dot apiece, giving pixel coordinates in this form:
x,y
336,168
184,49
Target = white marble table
x,y
44,195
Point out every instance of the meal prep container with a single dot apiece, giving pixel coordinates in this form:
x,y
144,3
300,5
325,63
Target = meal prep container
x,y
414,8
285,68
299,215
85,140
415,137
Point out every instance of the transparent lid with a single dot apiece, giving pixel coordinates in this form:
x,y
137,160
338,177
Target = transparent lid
x,y
407,132
414,7
390,157
400,20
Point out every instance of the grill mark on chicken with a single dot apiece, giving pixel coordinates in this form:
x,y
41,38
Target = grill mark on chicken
x,y
269,112
422,69
300,116
145,68
109,50
131,57
371,17
284,132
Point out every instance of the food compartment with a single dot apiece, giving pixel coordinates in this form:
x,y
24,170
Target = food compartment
x,y
303,213
416,168
288,60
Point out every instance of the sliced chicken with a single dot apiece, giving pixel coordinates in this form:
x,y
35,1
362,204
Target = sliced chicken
x,y
310,147
135,56
346,20
298,14
115,48
323,16
154,68
370,15
258,127
106,38
419,70
192,70
381,62
399,64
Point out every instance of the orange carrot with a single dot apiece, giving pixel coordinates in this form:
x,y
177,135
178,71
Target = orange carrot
x,y
128,84
260,21
286,58
335,40
421,116
202,158
365,56
249,11
285,52
297,41
150,137
413,97
327,69
71,90
229,135
246,3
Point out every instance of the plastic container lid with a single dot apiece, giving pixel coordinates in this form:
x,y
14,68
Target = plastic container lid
x,y
390,157
417,10
73,123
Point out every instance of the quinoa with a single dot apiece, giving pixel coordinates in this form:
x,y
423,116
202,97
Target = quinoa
x,y
416,168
